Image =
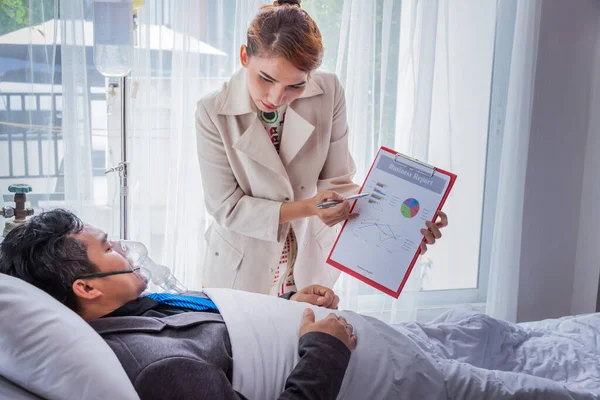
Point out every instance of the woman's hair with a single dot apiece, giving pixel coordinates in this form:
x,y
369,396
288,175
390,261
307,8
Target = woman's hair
x,y
285,30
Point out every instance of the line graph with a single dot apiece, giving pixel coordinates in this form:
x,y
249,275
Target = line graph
x,y
383,236
384,231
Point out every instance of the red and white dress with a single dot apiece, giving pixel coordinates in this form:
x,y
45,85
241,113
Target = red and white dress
x,y
283,273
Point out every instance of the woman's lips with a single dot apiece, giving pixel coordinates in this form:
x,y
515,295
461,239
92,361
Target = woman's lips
x,y
268,107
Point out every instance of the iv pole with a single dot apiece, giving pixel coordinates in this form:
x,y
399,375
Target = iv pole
x,y
123,171
121,167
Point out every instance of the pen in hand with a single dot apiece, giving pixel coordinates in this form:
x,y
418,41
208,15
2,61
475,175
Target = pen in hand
x,y
333,203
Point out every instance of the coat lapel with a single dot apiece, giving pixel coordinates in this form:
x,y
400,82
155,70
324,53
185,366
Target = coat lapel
x,y
257,145
296,132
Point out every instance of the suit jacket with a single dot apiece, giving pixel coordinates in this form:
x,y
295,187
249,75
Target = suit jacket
x,y
245,182
188,356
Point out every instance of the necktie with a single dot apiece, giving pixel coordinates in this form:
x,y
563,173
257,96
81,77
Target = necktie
x,y
182,301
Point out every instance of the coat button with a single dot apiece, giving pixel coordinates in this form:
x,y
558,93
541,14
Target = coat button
x,y
301,187
217,253
287,199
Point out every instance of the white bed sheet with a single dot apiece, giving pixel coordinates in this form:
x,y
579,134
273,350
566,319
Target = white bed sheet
x,y
462,355
481,357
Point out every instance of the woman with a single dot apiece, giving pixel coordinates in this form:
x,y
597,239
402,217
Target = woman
x,y
272,144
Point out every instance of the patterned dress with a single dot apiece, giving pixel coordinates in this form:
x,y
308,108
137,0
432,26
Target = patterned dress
x,y
283,274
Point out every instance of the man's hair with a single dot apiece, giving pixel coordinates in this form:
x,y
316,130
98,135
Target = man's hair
x,y
44,252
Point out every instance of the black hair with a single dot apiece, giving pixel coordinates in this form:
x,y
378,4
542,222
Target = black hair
x,y
44,253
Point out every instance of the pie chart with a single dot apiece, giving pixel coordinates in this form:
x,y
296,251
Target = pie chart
x,y
410,208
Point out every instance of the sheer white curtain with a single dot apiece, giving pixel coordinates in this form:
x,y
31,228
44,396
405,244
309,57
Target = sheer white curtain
x,y
178,60
77,135
368,36
503,287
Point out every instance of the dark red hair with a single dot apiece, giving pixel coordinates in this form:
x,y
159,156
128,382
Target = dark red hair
x,y
285,30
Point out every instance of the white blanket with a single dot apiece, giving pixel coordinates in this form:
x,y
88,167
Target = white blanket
x,y
463,355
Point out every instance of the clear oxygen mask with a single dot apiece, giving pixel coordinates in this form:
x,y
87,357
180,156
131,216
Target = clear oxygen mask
x,y
160,275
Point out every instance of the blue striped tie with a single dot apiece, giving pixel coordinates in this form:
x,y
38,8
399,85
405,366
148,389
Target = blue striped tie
x,y
181,301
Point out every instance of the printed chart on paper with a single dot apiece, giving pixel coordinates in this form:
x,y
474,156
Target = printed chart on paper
x,y
382,241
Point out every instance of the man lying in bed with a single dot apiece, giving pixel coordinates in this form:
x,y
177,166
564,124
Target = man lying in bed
x,y
232,344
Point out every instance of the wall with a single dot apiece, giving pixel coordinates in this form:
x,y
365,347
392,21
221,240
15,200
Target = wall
x,y
559,132
587,262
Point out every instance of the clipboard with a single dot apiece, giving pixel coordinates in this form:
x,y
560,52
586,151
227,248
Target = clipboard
x,y
380,247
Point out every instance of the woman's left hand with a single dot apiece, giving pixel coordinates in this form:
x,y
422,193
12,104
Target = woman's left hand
x,y
317,295
433,233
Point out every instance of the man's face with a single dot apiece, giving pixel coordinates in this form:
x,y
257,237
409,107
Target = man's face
x,y
120,288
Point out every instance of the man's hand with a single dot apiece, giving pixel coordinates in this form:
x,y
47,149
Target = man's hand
x,y
432,233
318,296
332,325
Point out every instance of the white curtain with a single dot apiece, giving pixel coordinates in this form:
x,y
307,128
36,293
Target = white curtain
x,y
178,60
503,288
77,135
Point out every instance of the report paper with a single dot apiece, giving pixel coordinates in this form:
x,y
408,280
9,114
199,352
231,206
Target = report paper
x,y
382,244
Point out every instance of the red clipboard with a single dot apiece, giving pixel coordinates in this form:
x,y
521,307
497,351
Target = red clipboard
x,y
363,278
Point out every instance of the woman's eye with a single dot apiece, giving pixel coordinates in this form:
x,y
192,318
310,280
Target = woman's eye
x,y
295,87
265,79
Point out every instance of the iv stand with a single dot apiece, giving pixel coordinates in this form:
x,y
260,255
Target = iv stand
x,y
121,167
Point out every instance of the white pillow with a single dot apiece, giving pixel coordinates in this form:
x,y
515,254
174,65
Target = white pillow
x,y
50,351
10,391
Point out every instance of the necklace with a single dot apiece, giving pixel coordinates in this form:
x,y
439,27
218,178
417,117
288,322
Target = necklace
x,y
269,117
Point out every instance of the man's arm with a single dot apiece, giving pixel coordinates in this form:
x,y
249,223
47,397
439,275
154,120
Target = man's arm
x,y
184,378
324,348
287,295
320,371
318,375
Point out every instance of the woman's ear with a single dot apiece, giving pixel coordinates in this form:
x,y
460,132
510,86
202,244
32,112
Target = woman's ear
x,y
85,291
244,56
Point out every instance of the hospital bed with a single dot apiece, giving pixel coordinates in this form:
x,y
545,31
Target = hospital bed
x,y
48,352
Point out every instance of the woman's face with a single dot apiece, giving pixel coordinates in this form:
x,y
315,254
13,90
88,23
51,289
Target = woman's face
x,y
272,82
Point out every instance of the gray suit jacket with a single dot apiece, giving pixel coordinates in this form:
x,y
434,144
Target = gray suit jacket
x,y
188,356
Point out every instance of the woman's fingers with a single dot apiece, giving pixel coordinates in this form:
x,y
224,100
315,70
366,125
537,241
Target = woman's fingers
x,y
443,219
434,229
429,238
337,214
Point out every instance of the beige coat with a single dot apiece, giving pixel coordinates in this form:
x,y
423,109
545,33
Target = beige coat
x,y
245,182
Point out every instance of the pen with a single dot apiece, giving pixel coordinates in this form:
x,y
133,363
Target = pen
x,y
333,203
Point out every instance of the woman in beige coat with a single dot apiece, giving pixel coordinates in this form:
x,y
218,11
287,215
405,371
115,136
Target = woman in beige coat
x,y
272,144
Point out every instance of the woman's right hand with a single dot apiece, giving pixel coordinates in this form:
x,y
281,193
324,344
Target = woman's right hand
x,y
334,215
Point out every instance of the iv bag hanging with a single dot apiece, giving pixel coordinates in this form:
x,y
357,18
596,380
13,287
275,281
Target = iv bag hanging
x,y
113,37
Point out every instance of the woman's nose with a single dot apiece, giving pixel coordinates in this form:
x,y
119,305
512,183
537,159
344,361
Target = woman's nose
x,y
276,96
